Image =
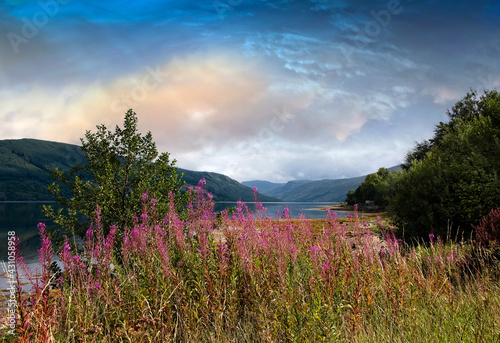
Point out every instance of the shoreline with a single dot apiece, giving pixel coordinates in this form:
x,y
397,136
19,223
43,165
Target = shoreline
x,y
366,213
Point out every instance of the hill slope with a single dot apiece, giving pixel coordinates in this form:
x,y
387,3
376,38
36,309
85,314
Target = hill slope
x,y
25,167
25,172
306,190
223,187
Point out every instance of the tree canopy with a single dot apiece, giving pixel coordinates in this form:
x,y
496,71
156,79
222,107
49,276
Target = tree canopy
x,y
377,187
121,166
453,184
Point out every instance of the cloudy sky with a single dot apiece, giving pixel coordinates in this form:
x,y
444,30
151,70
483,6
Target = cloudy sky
x,y
255,89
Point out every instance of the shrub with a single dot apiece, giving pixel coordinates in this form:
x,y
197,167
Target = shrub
x,y
488,229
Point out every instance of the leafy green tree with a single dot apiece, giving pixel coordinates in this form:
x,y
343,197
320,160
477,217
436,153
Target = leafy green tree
x,y
456,182
471,107
417,153
376,187
121,166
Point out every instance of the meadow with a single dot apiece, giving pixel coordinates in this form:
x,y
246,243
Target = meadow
x,y
248,277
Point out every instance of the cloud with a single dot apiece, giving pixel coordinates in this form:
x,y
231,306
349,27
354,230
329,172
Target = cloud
x,y
273,89
190,102
444,95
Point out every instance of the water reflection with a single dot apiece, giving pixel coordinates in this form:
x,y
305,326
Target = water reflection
x,y
22,218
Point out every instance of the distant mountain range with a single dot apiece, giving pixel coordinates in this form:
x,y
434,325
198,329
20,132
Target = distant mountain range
x,y
25,172
307,190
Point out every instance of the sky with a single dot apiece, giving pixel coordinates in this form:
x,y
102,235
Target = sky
x,y
257,90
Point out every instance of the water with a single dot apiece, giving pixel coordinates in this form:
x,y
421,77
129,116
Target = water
x,y
22,218
311,210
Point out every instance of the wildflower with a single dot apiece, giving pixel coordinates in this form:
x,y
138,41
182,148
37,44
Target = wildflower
x,y
89,233
286,213
45,251
145,196
65,254
315,248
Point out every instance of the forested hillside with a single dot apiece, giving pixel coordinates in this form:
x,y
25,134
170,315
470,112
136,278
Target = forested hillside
x,y
25,172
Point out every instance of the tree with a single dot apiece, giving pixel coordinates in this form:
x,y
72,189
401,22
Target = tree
x,y
456,182
376,187
417,153
121,166
471,107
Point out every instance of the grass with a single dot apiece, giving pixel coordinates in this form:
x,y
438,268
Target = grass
x,y
250,278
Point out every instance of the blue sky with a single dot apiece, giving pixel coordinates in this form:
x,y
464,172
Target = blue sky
x,y
271,90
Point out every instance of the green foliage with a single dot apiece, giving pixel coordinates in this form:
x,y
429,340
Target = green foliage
x,y
417,153
376,187
471,107
456,182
120,167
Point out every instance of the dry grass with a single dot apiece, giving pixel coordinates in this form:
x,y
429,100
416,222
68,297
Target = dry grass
x,y
242,279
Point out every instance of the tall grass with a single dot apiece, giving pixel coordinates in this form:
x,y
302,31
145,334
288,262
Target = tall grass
x,y
246,277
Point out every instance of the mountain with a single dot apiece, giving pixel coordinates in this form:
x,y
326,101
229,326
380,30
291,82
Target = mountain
x,y
25,172
307,190
25,167
262,186
223,187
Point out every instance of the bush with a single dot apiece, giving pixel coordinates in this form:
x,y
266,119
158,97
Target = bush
x,y
488,230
